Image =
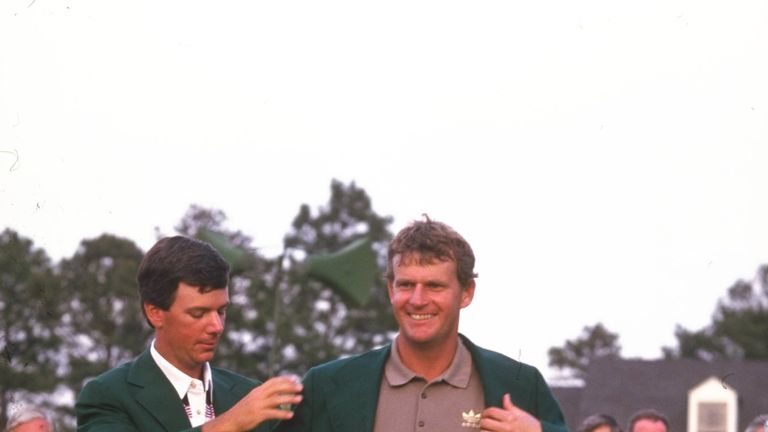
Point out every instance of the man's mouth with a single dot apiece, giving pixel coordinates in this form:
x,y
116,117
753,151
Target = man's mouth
x,y
421,317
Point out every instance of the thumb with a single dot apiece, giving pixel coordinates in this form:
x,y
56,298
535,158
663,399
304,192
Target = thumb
x,y
506,402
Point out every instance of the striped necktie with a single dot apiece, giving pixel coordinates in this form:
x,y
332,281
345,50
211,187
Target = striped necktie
x,y
209,411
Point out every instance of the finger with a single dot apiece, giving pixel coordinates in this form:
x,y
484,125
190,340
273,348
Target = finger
x,y
488,424
506,402
277,414
284,384
286,393
288,399
499,422
496,415
500,415
284,380
294,378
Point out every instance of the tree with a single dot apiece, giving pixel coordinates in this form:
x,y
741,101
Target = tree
x,y
28,318
103,325
317,325
594,342
739,328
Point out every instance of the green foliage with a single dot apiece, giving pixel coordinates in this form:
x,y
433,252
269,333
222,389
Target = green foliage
x,y
316,324
28,320
594,342
102,321
739,328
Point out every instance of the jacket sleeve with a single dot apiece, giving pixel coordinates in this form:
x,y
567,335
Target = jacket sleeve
x,y
548,409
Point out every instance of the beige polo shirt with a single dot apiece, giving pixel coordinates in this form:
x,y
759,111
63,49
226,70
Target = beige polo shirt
x,y
451,402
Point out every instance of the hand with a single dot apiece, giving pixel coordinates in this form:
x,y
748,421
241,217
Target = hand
x,y
265,402
508,419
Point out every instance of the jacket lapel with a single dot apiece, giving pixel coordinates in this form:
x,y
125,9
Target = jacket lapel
x,y
352,400
156,394
495,377
224,397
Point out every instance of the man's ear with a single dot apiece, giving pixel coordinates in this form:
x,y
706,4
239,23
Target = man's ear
x,y
154,314
467,294
391,293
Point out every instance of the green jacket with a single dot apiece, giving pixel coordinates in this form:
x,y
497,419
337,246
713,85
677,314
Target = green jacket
x,y
137,396
341,396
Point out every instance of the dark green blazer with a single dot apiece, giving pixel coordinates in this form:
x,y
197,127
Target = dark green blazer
x,y
137,396
341,396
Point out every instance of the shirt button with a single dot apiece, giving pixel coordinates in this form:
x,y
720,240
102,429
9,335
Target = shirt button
x,y
421,423
193,385
199,412
423,395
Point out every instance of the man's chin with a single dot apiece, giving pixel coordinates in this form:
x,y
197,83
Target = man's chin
x,y
419,340
207,354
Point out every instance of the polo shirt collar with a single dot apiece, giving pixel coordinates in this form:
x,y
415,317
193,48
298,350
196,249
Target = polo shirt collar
x,y
457,374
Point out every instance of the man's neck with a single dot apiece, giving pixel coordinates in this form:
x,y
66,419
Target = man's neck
x,y
193,371
427,361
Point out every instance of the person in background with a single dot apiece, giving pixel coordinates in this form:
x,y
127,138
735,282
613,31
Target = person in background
x,y
648,420
758,424
430,377
172,386
599,423
29,419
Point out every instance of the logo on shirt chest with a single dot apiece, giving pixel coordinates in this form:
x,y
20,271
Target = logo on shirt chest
x,y
470,419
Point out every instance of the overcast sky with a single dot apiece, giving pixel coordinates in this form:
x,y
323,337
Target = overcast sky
x,y
606,159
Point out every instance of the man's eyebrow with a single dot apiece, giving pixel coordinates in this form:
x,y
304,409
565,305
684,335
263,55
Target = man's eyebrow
x,y
435,282
205,308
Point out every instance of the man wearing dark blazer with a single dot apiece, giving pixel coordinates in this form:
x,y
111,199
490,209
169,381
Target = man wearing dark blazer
x,y
430,378
171,386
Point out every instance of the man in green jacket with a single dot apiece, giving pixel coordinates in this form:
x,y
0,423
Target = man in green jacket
x,y
171,386
430,378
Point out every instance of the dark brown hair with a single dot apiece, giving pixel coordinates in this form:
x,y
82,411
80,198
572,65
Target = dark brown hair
x,y
428,241
179,259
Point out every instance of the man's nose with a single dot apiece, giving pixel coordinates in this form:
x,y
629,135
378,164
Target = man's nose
x,y
419,295
216,323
